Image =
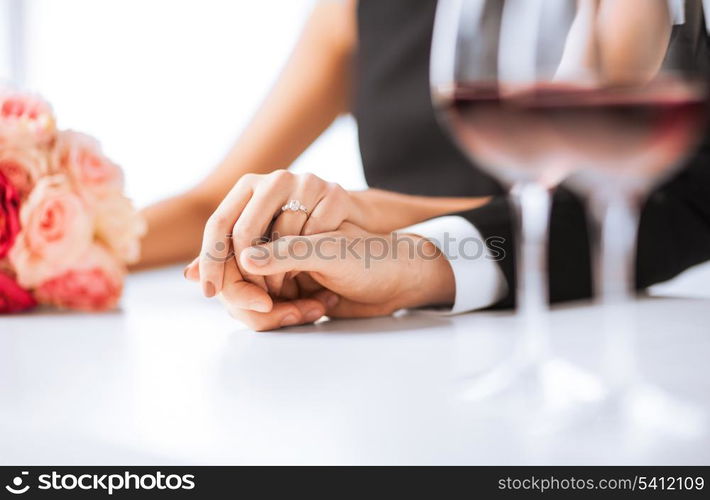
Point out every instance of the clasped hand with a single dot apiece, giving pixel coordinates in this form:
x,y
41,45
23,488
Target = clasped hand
x,y
274,268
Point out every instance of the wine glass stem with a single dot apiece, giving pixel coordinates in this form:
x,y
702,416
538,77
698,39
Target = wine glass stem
x,y
616,216
532,203
616,219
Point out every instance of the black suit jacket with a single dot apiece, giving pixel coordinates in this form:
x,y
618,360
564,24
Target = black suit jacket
x,y
404,149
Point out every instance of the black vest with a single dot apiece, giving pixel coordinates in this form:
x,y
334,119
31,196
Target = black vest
x,y
403,147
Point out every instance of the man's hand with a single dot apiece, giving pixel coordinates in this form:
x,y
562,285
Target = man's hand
x,y
348,273
372,275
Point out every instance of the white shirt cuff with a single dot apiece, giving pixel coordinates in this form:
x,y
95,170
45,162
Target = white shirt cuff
x,y
479,280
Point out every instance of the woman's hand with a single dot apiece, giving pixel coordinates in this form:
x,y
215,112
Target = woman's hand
x,y
253,210
309,306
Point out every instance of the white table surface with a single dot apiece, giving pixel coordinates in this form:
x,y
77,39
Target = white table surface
x,y
171,379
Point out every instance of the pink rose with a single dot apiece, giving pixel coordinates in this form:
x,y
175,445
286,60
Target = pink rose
x,y
23,164
9,216
80,156
12,297
94,284
120,227
27,115
56,230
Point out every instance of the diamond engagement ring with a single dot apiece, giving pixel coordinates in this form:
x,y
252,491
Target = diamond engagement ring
x,y
294,206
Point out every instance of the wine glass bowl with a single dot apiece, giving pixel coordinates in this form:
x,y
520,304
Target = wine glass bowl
x,y
631,139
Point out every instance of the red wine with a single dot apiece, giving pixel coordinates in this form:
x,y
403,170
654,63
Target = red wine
x,y
551,131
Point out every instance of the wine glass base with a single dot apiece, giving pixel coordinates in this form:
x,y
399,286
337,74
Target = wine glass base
x,y
647,410
549,392
552,394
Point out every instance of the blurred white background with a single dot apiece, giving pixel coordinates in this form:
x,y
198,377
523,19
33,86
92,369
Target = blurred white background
x,y
165,85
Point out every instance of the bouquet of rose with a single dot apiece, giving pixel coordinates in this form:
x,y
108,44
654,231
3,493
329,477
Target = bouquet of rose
x,y
67,231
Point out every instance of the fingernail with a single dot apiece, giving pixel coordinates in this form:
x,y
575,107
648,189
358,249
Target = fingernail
x,y
313,315
329,299
184,273
259,257
259,306
209,289
289,320
332,300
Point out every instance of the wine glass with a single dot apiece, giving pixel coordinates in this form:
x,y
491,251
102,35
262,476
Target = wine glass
x,y
644,114
485,70
535,91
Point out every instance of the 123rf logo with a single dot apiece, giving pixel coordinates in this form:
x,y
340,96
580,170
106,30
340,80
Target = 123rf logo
x,y
108,483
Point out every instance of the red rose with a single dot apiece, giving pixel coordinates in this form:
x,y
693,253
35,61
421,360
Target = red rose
x,y
12,297
9,215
